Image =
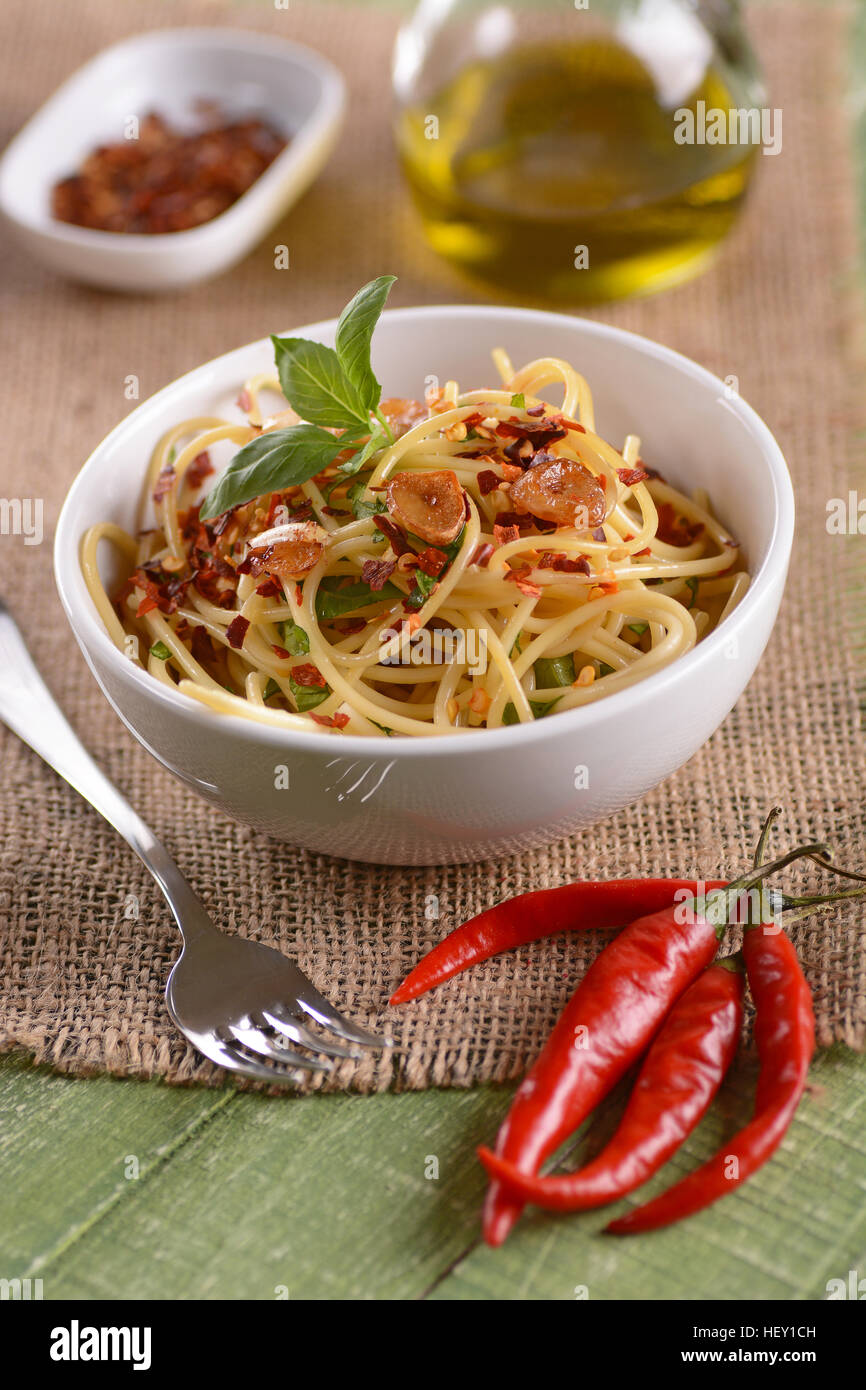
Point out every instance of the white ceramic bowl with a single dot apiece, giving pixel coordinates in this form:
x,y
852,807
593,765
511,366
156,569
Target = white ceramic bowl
x,y
167,71
462,797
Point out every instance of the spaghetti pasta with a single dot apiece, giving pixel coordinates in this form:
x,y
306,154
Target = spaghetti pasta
x,y
495,561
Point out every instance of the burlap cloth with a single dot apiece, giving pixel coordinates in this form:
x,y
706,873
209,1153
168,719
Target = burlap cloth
x,y
82,980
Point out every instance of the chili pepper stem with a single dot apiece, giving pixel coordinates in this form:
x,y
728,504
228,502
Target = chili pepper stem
x,y
760,848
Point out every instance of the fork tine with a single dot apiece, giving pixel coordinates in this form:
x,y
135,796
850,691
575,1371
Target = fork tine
x,y
284,1022
317,1006
217,1051
255,1039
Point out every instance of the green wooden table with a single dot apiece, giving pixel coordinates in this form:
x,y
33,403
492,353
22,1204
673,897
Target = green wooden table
x,y
124,1189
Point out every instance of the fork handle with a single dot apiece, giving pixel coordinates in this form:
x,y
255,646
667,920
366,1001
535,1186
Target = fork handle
x,y
30,710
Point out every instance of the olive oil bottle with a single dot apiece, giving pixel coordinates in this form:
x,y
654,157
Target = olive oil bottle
x,y
554,169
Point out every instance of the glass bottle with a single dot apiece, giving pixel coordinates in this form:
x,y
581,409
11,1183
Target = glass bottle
x,y
577,150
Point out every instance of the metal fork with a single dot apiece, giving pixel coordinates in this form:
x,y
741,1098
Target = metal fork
x,y
240,1003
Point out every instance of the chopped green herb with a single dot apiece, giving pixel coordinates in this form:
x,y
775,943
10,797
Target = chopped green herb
x,y
360,506
421,591
160,651
539,709
692,586
604,669
271,689
556,671
308,696
337,597
519,401
295,640
638,628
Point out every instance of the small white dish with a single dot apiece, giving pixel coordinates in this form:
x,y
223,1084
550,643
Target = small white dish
x,y
473,795
167,71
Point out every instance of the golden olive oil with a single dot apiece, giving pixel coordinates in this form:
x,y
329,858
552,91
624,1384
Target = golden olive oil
x,y
555,171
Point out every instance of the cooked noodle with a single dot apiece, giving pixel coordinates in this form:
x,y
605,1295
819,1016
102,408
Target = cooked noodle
x,y
528,619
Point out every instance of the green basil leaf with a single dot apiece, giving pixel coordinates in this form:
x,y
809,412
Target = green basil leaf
x,y
335,598
519,401
604,669
295,640
539,708
316,386
274,460
160,651
378,439
354,333
559,671
271,689
308,696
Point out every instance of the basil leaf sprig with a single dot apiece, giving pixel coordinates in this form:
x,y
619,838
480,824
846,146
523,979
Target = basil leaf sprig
x,y
330,388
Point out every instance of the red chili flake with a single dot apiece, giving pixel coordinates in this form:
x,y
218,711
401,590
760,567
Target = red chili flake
x,y
165,482
146,606
201,645
674,530
470,421
517,519
536,411
331,721
226,599
280,652
269,588
335,511
647,550
391,531
167,180
432,561
598,534
376,573
558,560
348,626
520,577
488,481
237,631
630,476
308,675
299,594
222,522
482,555
505,534
245,401
200,468
572,424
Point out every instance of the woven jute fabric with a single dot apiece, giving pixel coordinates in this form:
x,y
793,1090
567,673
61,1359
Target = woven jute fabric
x,y
86,940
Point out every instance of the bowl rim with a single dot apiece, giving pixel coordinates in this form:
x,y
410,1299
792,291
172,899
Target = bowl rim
x,y
624,703
327,112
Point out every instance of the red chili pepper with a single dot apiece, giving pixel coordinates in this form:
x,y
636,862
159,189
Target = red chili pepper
x,y
530,916
682,1072
785,1038
606,1025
